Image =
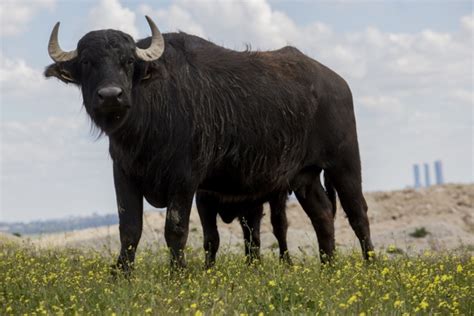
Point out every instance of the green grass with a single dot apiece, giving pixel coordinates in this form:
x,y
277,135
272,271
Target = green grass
x,y
73,282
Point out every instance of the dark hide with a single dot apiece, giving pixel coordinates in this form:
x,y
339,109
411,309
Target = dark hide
x,y
236,125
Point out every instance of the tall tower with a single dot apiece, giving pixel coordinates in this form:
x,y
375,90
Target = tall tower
x,y
439,172
427,174
416,173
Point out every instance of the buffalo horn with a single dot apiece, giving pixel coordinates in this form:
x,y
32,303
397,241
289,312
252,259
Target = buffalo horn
x,y
157,45
55,52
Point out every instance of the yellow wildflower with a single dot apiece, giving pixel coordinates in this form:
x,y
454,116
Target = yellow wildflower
x,y
445,277
424,304
352,299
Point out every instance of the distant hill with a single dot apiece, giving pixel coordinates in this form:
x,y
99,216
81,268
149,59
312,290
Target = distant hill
x,y
435,218
59,225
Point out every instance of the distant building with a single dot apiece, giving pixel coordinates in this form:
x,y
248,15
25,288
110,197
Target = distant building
x,y
439,172
416,173
427,174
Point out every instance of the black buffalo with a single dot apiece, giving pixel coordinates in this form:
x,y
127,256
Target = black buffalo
x,y
184,115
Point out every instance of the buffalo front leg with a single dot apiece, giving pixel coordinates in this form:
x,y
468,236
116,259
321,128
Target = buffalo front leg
x,y
251,228
177,227
208,214
130,211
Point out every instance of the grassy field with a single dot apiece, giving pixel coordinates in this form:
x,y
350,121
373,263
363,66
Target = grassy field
x,y
73,282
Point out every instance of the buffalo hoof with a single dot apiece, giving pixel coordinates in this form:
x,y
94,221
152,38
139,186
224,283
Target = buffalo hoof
x,y
209,265
326,259
118,269
178,263
286,259
370,256
252,260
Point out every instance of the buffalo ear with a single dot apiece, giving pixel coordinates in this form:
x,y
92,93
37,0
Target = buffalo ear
x,y
147,71
61,72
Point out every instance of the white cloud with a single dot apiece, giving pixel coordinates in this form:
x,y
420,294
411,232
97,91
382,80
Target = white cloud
x,y
468,22
385,104
465,96
174,19
16,76
44,139
15,15
22,86
252,22
110,14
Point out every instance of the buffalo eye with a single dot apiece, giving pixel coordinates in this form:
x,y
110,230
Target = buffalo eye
x,y
130,61
85,62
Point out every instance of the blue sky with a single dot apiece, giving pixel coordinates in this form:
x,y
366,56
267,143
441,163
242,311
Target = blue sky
x,y
409,64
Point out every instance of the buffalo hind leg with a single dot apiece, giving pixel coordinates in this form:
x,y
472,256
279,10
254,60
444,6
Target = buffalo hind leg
x,y
280,223
208,214
317,206
177,226
251,228
349,189
130,211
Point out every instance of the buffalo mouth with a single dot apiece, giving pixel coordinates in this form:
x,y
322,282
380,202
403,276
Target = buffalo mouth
x,y
113,109
110,118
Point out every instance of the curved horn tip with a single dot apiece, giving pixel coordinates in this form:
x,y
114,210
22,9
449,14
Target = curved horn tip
x,y
150,21
55,29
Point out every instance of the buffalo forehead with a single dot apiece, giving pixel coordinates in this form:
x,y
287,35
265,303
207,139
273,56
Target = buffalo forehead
x,y
106,42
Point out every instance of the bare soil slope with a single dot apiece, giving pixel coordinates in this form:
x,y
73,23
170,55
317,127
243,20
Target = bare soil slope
x,y
445,212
